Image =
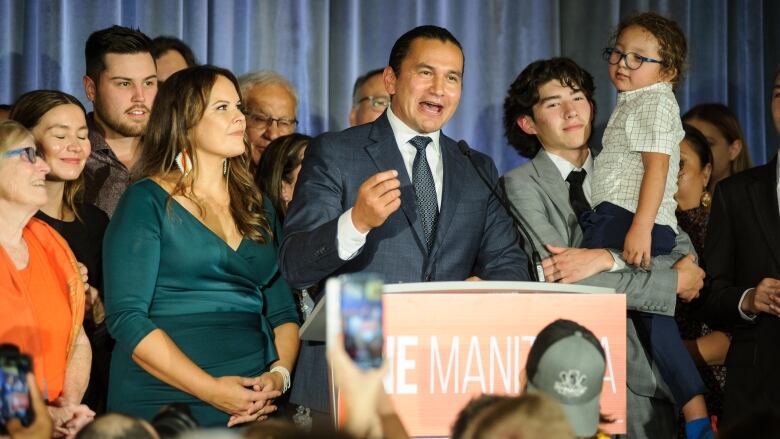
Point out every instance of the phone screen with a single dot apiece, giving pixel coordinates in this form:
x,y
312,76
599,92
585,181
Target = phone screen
x,y
361,320
15,398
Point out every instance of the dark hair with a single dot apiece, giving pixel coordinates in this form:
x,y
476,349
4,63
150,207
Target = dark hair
x,y
115,426
28,111
362,80
401,47
474,407
726,122
115,39
178,108
277,163
164,43
672,46
5,107
523,94
698,143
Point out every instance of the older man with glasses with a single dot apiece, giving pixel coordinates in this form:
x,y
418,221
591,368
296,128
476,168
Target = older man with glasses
x,y
271,103
369,98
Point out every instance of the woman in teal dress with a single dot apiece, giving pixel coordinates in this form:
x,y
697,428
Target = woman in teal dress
x,y
194,296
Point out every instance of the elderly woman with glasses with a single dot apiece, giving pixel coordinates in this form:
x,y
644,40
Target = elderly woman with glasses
x,y
41,288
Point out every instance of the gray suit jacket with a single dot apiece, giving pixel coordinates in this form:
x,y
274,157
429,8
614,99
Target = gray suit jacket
x,y
541,196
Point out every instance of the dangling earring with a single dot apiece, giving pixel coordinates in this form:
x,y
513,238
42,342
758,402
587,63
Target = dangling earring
x,y
183,162
225,166
706,199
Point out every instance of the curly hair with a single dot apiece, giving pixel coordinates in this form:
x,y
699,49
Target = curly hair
x,y
523,94
672,46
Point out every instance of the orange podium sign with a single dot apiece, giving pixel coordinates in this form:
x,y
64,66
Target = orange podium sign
x,y
447,342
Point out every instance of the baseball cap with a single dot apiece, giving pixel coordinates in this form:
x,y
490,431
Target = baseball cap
x,y
567,362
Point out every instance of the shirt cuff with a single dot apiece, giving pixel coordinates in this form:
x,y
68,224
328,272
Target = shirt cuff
x,y
349,240
749,318
617,262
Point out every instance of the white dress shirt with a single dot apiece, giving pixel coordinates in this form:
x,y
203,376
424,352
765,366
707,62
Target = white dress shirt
x,y
349,239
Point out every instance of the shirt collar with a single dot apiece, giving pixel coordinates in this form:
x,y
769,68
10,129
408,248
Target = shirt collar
x,y
565,167
96,138
658,86
403,133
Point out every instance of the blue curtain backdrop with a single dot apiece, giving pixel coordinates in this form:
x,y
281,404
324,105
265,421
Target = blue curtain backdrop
x,y
323,45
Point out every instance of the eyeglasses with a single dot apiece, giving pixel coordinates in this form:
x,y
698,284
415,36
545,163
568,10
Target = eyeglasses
x,y
376,102
263,122
28,152
633,60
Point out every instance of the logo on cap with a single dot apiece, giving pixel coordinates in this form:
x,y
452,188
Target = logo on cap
x,y
570,383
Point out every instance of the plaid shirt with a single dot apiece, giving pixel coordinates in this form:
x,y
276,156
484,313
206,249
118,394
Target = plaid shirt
x,y
644,120
105,177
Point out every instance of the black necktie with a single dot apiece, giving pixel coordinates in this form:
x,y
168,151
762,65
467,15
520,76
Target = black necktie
x,y
425,190
576,195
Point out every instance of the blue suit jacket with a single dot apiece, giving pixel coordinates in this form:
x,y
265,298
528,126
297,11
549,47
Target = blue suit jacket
x,y
474,236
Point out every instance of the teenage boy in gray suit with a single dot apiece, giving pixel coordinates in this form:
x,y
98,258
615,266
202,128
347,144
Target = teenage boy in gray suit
x,y
548,117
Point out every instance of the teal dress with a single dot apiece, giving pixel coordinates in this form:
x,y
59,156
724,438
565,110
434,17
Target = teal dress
x,y
164,269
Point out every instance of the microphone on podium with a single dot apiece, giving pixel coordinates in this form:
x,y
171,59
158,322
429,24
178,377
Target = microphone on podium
x,y
538,272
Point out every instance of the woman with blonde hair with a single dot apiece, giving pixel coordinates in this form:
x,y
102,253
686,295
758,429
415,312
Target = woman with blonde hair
x,y
194,297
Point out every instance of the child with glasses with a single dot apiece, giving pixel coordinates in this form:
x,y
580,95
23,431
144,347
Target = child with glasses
x,y
634,183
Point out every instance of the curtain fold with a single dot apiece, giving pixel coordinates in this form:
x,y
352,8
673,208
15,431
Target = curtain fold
x,y
323,45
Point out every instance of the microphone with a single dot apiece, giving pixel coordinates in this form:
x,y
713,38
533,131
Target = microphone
x,y
536,260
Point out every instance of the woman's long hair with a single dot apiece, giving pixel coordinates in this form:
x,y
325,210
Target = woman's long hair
x,y
28,111
722,118
277,164
178,108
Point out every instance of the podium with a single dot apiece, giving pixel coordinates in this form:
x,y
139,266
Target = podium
x,y
446,342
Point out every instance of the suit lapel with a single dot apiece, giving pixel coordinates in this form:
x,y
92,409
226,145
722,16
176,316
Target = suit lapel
x,y
454,164
763,198
548,177
386,155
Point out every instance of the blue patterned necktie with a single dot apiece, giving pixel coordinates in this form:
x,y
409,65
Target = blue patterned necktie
x,y
425,190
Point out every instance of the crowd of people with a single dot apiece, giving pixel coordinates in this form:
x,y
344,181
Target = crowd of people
x,y
160,253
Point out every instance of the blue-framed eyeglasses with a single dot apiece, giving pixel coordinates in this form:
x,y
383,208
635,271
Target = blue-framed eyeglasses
x,y
632,60
29,153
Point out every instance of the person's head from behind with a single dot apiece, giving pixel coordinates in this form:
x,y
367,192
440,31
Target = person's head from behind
x,y
197,127
549,105
369,98
271,105
171,55
646,49
470,413
5,111
117,426
121,80
568,363
531,415
695,170
22,171
425,77
58,123
724,134
278,170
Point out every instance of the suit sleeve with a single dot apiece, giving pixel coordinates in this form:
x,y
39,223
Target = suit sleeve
x,y
650,291
719,306
309,247
500,255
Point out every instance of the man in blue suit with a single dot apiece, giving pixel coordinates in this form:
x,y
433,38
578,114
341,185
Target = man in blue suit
x,y
397,197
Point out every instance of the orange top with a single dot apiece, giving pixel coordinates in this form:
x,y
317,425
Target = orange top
x,y
42,305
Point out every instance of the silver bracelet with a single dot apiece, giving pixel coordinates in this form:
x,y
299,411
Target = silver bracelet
x,y
281,370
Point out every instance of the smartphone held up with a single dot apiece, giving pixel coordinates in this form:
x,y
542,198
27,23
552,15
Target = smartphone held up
x,y
354,310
